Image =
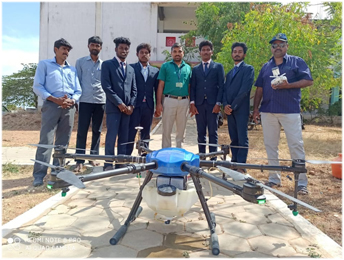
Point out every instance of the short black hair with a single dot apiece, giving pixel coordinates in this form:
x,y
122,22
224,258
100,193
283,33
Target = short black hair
x,y
95,39
62,42
240,44
143,46
205,43
121,40
177,45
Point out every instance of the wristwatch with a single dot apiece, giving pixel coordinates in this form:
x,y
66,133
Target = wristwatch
x,y
218,103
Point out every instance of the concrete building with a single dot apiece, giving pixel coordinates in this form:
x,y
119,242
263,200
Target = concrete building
x,y
156,23
159,24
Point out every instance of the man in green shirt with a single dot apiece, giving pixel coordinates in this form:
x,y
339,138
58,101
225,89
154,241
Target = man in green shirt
x,y
173,96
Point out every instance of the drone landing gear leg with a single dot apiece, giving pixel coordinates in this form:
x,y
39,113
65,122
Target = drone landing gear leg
x,y
134,212
214,241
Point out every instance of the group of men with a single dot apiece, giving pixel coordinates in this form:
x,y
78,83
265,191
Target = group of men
x,y
126,92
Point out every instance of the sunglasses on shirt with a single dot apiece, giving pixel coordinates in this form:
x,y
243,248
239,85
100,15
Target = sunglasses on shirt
x,y
281,45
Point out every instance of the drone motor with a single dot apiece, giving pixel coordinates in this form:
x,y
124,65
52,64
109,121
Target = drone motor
x,y
253,193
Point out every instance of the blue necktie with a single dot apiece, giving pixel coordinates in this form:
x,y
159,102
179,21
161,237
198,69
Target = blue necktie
x,y
234,70
206,68
122,68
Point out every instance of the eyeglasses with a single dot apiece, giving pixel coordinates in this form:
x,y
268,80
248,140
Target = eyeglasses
x,y
275,45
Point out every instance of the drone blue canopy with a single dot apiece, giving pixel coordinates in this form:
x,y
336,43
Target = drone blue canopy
x,y
170,160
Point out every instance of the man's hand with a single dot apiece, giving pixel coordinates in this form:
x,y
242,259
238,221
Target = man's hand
x,y
67,103
282,85
228,110
130,110
193,110
123,108
255,115
158,110
216,109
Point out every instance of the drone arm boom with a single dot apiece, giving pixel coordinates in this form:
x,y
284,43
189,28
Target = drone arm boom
x,y
205,155
193,170
232,165
133,168
115,158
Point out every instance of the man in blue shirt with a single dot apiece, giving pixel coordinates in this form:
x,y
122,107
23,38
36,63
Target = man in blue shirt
x,y
56,82
92,100
281,105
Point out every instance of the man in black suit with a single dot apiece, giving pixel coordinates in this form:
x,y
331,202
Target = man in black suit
x,y
118,82
147,83
206,95
236,101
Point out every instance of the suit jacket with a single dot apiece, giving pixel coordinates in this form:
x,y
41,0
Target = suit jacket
x,y
210,85
118,89
237,88
146,88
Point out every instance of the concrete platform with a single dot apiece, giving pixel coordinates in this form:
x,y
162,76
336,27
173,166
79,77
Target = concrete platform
x,y
81,224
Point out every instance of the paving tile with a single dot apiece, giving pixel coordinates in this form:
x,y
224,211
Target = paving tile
x,y
74,250
61,220
116,202
279,219
81,195
123,211
52,237
102,194
81,203
243,230
253,254
232,245
141,239
300,245
279,231
81,212
201,228
98,238
116,251
59,209
265,209
251,218
90,223
21,250
271,246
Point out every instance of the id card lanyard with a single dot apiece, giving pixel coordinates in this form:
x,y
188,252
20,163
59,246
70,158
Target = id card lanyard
x,y
179,84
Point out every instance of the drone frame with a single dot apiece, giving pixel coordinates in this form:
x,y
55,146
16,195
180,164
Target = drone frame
x,y
250,191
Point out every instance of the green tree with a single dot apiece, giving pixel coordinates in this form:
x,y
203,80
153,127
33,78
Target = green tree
x,y
17,88
213,19
317,42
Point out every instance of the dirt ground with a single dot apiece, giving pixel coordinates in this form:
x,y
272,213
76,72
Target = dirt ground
x,y
321,143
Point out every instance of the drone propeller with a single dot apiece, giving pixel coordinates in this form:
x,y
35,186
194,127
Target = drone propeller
x,y
218,145
237,176
307,161
64,175
48,146
145,140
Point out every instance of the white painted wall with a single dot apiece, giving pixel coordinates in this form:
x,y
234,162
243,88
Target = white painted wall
x,y
77,21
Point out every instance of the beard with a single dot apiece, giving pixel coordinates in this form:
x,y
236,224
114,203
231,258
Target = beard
x,y
95,52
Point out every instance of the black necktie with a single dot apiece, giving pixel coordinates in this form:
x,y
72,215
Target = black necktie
x,y
205,68
122,68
